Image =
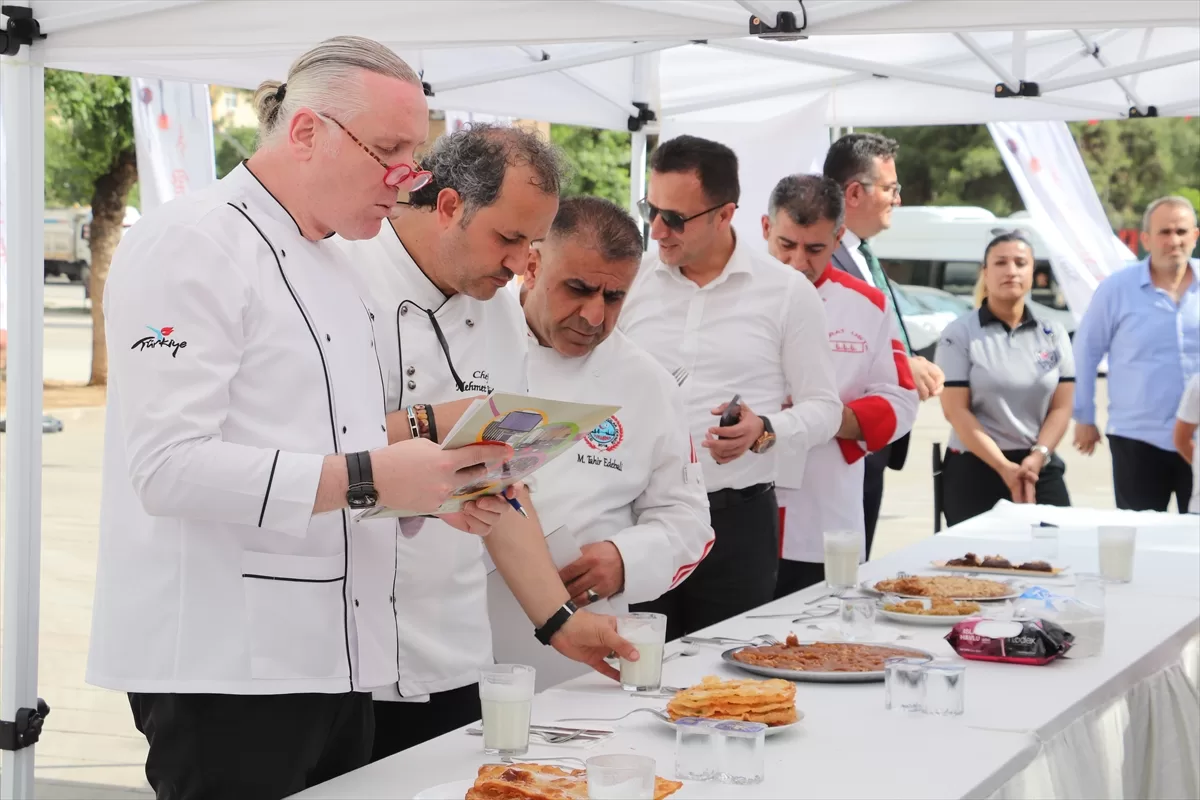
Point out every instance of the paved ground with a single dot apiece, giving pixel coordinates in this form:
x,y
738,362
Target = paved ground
x,y
90,748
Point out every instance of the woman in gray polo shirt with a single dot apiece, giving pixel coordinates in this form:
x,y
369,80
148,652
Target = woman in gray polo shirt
x,y
1009,388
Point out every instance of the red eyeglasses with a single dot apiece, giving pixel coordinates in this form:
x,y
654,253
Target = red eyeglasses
x,y
397,176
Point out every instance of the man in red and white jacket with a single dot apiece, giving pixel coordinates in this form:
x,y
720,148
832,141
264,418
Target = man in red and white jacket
x,y
804,222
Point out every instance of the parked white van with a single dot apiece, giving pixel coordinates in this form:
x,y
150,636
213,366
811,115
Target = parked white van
x,y
65,248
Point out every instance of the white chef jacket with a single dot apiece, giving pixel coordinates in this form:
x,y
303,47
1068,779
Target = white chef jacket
x,y
441,581
634,481
824,492
755,330
240,355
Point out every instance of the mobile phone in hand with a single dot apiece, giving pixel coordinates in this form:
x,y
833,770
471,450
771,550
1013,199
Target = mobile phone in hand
x,y
733,412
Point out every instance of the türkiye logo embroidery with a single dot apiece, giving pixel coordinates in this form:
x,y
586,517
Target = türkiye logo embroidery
x,y
606,436
160,339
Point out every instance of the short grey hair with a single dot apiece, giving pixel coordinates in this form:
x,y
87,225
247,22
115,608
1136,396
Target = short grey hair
x,y
808,199
1170,200
601,225
474,160
328,80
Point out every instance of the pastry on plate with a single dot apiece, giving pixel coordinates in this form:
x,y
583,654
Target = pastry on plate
x,y
772,702
543,782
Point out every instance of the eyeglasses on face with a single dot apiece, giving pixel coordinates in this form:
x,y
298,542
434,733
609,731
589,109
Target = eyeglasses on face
x,y
672,219
892,189
396,176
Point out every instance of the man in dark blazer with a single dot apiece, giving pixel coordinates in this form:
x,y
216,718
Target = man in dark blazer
x,y
864,165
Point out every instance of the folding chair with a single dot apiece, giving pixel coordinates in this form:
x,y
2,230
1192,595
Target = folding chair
x,y
938,496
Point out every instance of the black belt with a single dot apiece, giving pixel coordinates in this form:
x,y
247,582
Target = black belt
x,y
727,498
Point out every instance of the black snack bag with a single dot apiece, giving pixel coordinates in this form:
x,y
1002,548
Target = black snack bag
x,y
1020,641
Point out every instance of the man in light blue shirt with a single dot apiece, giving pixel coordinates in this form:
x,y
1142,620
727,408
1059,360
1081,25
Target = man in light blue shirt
x,y
1146,318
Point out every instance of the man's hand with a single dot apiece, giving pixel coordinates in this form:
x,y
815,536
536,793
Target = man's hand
x,y
600,569
1086,438
849,428
420,476
928,377
588,638
481,515
729,444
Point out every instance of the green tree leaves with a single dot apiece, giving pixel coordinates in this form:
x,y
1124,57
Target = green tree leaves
x,y
599,161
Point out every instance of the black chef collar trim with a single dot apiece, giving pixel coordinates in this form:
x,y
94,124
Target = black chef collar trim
x,y
246,164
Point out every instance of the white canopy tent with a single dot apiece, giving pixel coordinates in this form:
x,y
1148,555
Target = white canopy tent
x,y
589,62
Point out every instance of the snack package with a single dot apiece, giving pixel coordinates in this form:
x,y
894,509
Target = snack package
x,y
1019,641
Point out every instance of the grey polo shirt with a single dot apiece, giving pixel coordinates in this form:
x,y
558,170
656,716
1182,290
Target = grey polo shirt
x,y
1012,374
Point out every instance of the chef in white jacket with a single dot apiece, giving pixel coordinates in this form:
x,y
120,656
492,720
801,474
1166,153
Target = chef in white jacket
x,y
631,494
236,602
447,333
802,226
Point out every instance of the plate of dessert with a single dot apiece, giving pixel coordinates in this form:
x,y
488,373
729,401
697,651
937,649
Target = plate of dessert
x,y
954,587
528,782
771,702
999,565
932,611
821,662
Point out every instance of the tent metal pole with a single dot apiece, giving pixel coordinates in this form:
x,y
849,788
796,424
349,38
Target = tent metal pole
x,y
1130,94
1142,50
24,203
637,170
106,12
1018,55
1121,70
995,66
553,65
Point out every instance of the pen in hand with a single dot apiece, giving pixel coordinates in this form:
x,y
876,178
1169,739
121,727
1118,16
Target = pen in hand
x,y
512,501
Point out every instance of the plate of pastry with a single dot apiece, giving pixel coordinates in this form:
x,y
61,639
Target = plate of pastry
x,y
530,781
771,702
955,587
999,565
929,611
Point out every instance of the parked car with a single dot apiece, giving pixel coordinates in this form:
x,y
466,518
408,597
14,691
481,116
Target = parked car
x,y
65,247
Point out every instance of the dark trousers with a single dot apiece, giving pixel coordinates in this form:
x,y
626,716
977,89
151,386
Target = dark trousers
x,y
971,487
1145,476
256,747
875,464
797,575
739,572
399,726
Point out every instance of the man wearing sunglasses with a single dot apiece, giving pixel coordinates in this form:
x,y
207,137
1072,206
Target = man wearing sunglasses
x,y
446,334
726,320
864,165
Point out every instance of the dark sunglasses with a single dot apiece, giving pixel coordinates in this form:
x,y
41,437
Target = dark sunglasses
x,y
672,219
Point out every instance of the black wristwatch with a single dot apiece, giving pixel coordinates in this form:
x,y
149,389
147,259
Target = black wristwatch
x,y
361,492
547,631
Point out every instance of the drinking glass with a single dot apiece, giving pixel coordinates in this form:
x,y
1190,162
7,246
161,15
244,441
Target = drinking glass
x,y
695,749
620,777
1045,543
904,684
506,698
843,550
648,633
1116,552
1086,616
740,751
858,617
945,688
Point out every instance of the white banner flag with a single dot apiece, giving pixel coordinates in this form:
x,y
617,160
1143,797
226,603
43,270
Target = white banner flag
x,y
172,126
1057,190
790,144
3,246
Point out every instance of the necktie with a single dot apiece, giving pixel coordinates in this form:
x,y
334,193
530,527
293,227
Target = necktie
x,y
883,285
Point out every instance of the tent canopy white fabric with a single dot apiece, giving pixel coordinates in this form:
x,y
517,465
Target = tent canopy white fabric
x,y
939,59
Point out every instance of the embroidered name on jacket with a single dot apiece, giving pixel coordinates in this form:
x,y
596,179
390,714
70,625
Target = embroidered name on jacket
x,y
844,341
480,382
605,438
160,339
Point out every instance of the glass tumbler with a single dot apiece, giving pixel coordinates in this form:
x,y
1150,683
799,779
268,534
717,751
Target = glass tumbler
x,y
695,749
1044,543
904,684
506,700
843,550
740,751
620,777
648,633
1116,552
858,617
945,688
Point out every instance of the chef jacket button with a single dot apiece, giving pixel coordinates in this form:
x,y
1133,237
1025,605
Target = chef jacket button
x,y
412,384
371,314
392,598
356,603
383,428
245,206
327,338
410,371
470,323
343,429
403,309
283,253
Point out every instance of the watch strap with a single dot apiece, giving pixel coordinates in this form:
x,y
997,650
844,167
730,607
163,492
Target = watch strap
x,y
359,478
556,621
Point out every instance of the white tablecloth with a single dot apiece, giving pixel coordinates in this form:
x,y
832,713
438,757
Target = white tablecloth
x,y
1123,724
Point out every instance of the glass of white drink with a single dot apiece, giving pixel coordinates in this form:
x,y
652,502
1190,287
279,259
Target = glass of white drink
x,y
648,633
506,695
843,551
1116,552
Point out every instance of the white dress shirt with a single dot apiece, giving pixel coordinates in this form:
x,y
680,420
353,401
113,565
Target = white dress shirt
x,y
851,242
240,355
634,481
824,492
755,330
441,583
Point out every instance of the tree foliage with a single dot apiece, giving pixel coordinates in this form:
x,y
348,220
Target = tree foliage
x,y
599,161
1131,162
90,158
233,145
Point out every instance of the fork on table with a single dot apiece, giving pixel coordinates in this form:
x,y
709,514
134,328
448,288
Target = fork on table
x,y
652,711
